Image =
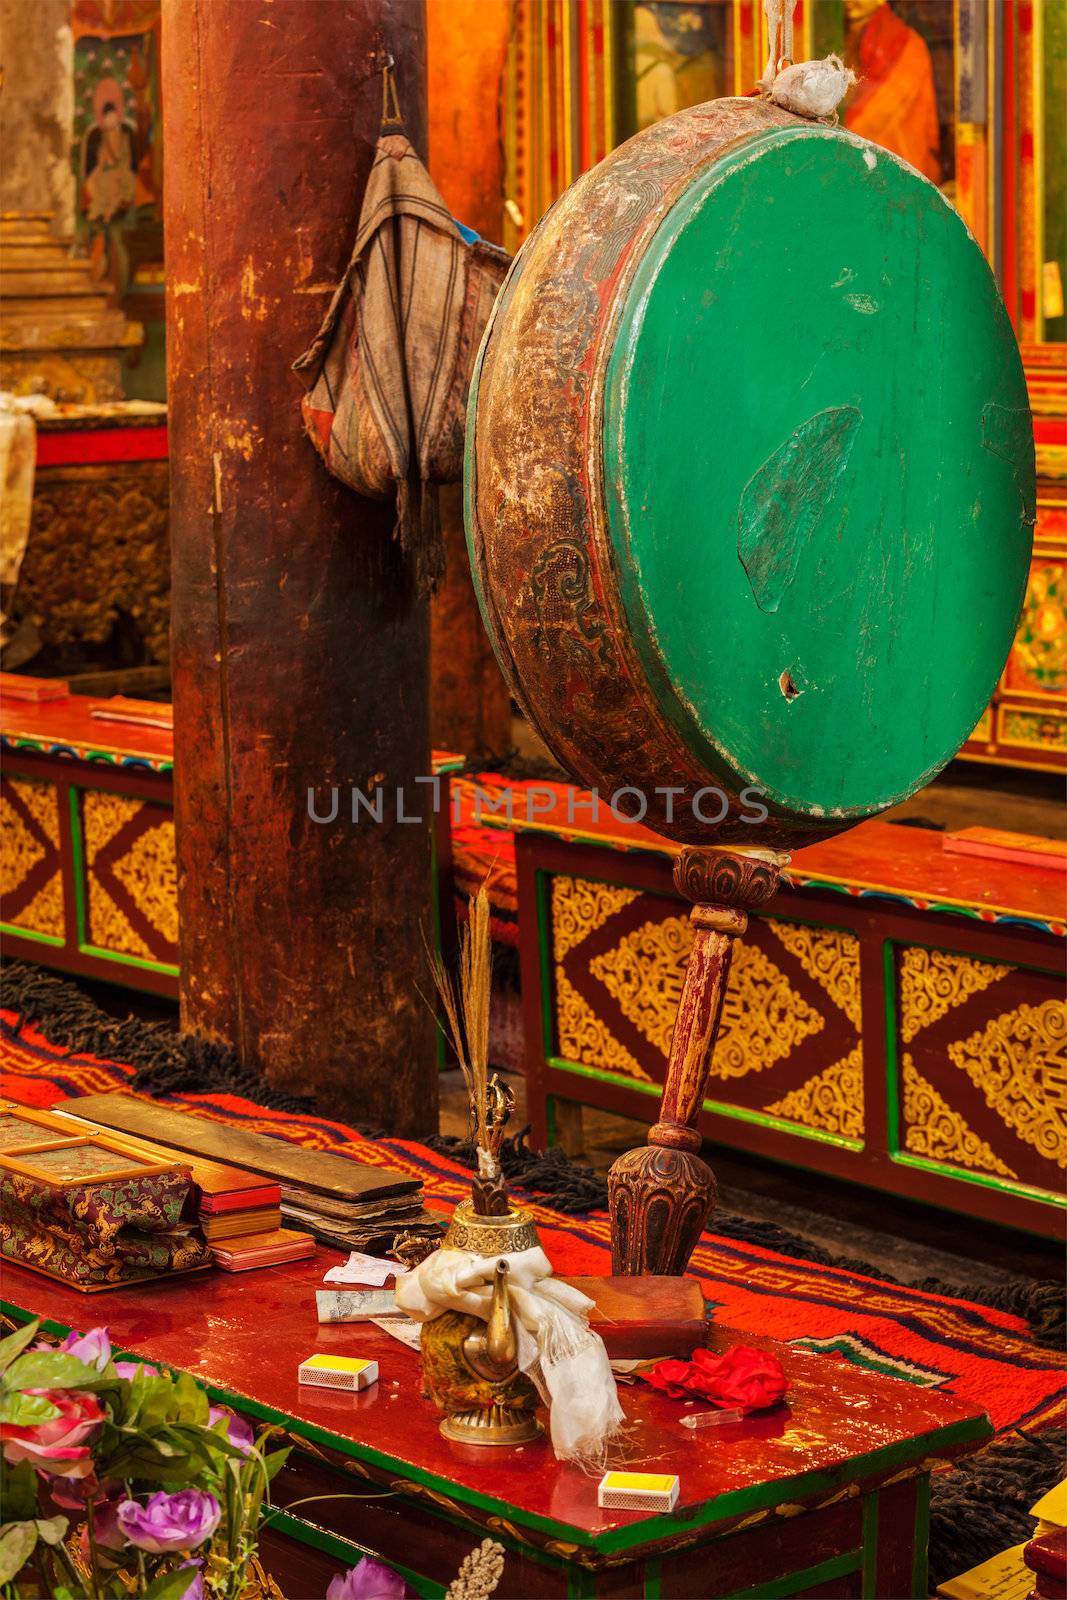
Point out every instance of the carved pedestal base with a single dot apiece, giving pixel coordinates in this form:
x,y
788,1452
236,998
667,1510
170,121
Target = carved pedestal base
x,y
661,1200
661,1196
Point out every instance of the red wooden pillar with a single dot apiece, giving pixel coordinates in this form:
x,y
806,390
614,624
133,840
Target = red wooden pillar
x,y
300,647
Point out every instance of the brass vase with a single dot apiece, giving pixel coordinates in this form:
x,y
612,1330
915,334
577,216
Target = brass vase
x,y
470,1366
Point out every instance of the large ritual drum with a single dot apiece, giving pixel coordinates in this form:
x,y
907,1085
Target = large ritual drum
x,y
750,476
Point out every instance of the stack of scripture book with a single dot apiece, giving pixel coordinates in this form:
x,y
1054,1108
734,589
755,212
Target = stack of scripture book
x,y
341,1202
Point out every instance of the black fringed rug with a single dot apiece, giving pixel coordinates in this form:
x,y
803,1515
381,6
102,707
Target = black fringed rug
x,y
996,1348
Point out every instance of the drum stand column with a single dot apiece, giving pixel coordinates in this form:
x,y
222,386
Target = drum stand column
x,y
661,1195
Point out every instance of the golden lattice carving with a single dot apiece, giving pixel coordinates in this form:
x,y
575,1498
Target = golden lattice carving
x,y
934,1130
832,1101
579,906
20,853
763,1018
148,872
829,956
644,973
586,1038
99,547
932,982
1019,1062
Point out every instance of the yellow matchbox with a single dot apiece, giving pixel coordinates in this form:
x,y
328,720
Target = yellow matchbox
x,y
338,1372
638,1491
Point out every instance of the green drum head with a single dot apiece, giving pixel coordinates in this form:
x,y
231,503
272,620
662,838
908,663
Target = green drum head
x,y
818,470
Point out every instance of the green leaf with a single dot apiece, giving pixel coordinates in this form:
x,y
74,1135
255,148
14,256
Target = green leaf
x,y
275,1462
17,1543
49,1369
169,1585
18,1491
51,1529
23,1410
191,1399
16,1342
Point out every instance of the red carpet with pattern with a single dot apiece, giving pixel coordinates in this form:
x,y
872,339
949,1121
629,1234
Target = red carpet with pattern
x,y
972,1351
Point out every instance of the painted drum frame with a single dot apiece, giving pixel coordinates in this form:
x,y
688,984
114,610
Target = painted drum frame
x,y
542,558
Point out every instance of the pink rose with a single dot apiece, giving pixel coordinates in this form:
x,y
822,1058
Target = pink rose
x,y
94,1347
59,1447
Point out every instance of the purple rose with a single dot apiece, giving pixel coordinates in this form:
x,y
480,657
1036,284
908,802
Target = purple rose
x,y
94,1348
370,1580
195,1590
170,1521
238,1431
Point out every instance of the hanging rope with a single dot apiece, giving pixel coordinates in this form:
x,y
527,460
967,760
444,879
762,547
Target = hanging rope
x,y
812,89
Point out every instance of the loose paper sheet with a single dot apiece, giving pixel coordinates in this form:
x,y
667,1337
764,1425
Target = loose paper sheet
x,y
1003,1577
370,1270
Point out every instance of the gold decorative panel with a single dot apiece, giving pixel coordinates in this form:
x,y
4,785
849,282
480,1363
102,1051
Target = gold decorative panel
x,y
1019,1062
131,876
932,982
934,1130
31,879
791,1018
832,1101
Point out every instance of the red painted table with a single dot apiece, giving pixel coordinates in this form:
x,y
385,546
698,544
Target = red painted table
x,y
825,1496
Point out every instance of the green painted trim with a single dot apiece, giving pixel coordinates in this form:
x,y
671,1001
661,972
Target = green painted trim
x,y
577,1070
107,757
546,964
31,933
892,1060
920,1578
282,1521
653,1578
78,864
713,1107
631,1536
799,1582
743,1114
128,961
869,1588
1024,1191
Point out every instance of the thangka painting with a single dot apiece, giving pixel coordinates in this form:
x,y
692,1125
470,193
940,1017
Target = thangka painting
x,y
118,138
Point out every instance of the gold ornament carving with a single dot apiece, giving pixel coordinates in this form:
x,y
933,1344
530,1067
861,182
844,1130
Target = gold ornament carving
x,y
831,1101
1019,1062
932,982
934,1130
763,1017
584,1037
644,974
148,872
830,957
99,547
579,906
21,853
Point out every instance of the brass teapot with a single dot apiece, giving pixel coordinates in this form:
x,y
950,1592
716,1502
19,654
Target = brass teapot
x,y
471,1367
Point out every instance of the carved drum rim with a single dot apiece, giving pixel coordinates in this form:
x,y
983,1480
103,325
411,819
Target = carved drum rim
x,y
651,173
